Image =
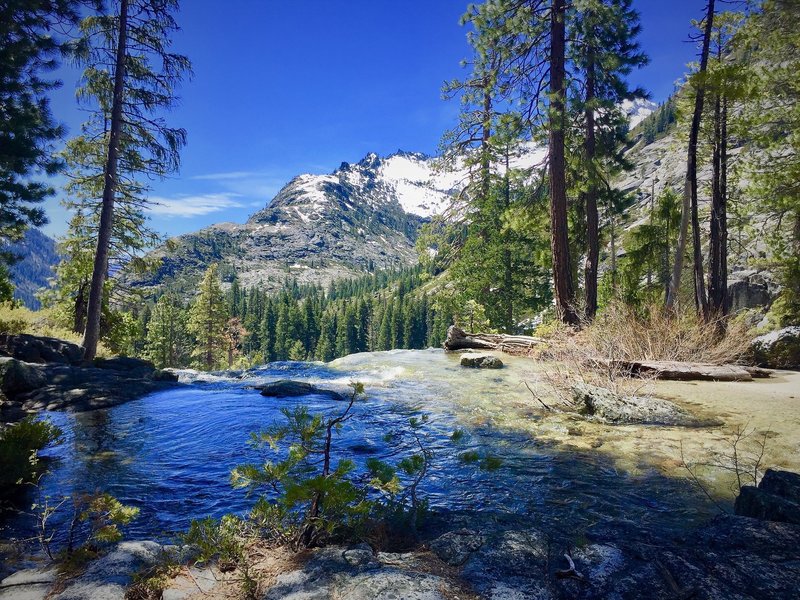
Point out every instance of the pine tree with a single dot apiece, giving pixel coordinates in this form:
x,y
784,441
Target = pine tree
x,y
208,316
29,48
689,208
167,342
605,51
130,74
771,118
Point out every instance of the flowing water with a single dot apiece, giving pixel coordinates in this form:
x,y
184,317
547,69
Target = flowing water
x,y
170,453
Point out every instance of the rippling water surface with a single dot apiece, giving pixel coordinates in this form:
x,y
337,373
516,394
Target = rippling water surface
x,y
171,452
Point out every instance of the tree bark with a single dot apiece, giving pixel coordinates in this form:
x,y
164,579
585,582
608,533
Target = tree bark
x,y
559,240
94,309
690,189
718,276
508,275
592,226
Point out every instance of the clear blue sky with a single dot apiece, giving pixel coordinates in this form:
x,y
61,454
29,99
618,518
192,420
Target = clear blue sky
x,y
283,88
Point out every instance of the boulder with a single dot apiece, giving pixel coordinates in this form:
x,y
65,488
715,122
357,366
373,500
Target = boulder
x,y
778,349
287,388
777,498
746,293
782,483
18,377
40,349
455,547
481,362
164,375
605,405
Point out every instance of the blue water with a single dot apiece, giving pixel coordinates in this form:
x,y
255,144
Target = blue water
x,y
171,453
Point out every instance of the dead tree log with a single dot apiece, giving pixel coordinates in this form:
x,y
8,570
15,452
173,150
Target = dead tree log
x,y
458,339
679,371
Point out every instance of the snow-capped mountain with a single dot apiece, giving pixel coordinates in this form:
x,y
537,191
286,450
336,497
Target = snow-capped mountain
x,y
638,110
360,217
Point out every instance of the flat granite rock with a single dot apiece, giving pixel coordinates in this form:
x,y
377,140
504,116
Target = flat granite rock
x,y
604,405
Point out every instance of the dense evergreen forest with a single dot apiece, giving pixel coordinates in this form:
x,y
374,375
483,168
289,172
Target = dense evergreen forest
x,y
243,327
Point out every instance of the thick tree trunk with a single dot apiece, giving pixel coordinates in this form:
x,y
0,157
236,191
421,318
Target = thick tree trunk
x,y
592,226
718,276
559,239
92,335
690,189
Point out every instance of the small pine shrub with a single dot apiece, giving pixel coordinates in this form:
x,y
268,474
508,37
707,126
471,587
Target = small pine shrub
x,y
19,452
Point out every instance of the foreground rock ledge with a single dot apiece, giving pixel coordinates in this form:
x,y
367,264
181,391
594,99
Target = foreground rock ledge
x,y
729,557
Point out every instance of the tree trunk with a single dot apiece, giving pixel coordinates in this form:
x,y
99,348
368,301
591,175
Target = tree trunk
x,y
718,276
508,274
592,226
690,189
92,335
559,238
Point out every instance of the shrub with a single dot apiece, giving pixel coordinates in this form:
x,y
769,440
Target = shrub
x,y
317,498
19,452
623,333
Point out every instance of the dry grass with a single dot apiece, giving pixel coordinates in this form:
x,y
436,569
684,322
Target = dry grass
x,y
620,333
18,319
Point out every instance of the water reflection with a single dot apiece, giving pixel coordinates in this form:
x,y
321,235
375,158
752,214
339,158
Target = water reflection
x,y
171,453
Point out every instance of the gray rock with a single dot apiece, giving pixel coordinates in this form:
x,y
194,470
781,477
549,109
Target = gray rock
x,y
781,483
30,387
393,584
164,375
778,349
18,377
747,293
108,577
605,405
40,349
759,504
286,388
28,584
777,498
455,547
481,362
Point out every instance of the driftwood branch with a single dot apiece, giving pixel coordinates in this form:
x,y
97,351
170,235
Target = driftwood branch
x,y
458,339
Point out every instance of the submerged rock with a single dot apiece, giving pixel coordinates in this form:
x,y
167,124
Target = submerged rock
x,y
778,349
287,388
777,498
605,405
481,362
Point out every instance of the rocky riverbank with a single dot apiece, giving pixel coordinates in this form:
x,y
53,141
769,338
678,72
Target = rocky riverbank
x,y
730,557
39,373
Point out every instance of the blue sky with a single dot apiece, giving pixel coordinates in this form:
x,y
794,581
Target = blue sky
x,y
283,88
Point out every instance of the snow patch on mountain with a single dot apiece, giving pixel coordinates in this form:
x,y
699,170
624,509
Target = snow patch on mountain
x,y
638,110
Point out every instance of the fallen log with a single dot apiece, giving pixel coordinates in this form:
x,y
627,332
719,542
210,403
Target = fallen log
x,y
678,371
458,339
